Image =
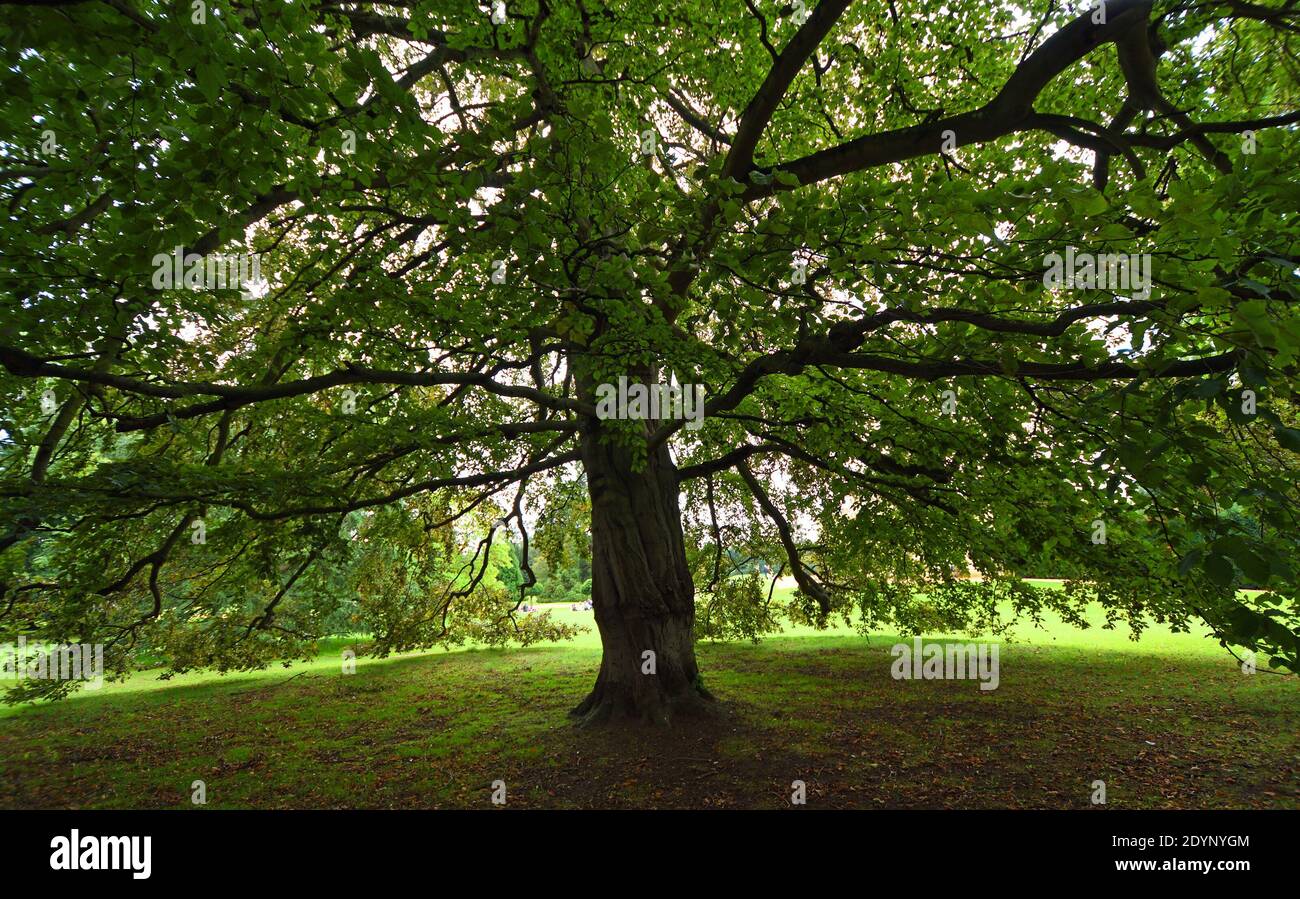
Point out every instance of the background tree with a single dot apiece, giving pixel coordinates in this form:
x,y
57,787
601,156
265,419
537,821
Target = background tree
x,y
469,217
562,543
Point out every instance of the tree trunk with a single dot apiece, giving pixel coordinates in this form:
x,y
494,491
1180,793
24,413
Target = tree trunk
x,y
641,591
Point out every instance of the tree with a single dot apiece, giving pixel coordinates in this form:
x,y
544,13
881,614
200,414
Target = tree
x,y
963,284
562,545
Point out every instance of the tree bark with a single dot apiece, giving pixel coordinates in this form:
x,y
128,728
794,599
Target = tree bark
x,y
641,590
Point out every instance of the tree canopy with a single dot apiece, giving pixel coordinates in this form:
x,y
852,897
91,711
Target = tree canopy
x,y
840,219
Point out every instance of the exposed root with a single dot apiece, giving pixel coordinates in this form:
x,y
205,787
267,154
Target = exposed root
x,y
604,706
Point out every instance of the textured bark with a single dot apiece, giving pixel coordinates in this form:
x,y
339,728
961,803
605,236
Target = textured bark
x,y
641,589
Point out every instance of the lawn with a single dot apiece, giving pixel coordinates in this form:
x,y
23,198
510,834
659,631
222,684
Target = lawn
x,y
1167,722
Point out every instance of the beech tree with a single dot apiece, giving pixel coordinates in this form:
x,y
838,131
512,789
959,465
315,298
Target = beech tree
x,y
966,286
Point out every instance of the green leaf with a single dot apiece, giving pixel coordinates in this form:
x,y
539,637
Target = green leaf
x,y
1220,569
211,78
1289,438
1190,561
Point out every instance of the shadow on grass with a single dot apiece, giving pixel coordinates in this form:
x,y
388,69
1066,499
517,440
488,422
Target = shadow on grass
x,y
435,730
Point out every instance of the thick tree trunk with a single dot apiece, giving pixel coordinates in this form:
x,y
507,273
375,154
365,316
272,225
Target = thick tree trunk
x,y
641,591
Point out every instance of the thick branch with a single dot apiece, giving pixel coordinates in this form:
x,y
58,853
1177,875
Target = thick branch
x,y
805,581
1004,114
26,365
784,69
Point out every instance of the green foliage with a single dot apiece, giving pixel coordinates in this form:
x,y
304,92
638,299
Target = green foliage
x,y
562,545
350,433
737,608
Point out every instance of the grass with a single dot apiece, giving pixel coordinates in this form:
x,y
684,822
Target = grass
x,y
1169,721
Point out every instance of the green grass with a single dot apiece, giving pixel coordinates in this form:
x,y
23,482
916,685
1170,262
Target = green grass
x,y
1156,640
1169,721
